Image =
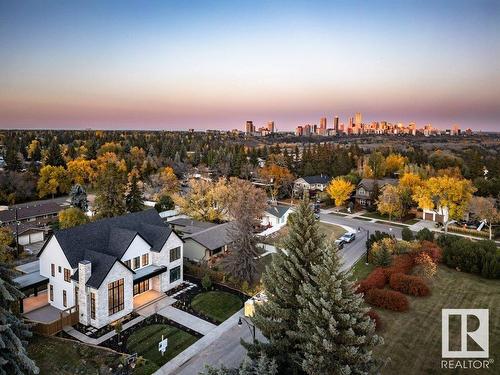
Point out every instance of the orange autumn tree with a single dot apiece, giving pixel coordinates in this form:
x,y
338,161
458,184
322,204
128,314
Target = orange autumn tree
x,y
277,176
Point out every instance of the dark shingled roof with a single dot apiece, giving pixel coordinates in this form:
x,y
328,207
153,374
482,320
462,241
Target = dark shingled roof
x,y
277,210
319,179
105,241
214,237
30,211
369,183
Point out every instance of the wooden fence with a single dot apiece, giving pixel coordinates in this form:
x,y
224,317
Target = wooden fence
x,y
69,317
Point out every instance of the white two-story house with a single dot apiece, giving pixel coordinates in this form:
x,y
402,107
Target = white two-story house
x,y
102,266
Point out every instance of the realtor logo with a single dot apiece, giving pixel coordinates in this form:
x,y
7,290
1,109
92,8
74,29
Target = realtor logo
x,y
480,335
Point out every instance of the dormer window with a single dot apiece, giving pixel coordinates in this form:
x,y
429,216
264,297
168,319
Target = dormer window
x,y
137,263
145,260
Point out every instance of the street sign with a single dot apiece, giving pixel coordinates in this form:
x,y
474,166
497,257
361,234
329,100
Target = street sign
x,y
162,345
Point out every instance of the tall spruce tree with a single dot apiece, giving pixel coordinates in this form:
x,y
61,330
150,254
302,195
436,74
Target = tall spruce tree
x,y
79,197
54,156
332,317
277,318
134,199
13,332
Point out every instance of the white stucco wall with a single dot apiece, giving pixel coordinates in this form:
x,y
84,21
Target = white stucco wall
x,y
54,254
137,248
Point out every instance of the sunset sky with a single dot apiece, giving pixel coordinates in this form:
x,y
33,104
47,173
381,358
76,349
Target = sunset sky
x,y
214,64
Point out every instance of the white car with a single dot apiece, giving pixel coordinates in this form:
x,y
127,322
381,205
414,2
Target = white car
x,y
348,237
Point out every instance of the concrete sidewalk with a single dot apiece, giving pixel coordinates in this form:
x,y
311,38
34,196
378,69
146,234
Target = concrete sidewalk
x,y
172,366
187,320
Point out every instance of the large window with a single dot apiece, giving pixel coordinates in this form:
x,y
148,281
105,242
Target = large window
x,y
175,274
137,263
145,260
92,305
53,270
175,254
115,297
141,287
65,299
67,275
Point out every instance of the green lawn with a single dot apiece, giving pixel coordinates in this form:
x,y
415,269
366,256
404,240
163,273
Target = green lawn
x,y
331,231
217,305
377,215
360,270
145,341
413,339
56,356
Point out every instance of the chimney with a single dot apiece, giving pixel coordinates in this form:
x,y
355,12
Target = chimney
x,y
84,272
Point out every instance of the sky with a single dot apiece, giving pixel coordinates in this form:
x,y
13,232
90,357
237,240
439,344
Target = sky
x,y
215,64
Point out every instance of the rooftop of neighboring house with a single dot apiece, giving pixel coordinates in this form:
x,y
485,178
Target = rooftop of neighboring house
x,y
213,237
104,242
277,210
318,179
189,226
29,211
369,183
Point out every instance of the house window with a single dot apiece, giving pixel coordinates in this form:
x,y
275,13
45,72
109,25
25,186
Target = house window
x,y
59,269
92,305
115,297
137,263
175,273
142,287
175,254
51,293
76,295
145,260
128,263
67,275
65,301
53,270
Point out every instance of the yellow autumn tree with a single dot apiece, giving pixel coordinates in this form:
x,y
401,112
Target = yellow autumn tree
x,y
340,190
410,181
169,181
446,193
389,201
394,163
52,181
278,177
80,171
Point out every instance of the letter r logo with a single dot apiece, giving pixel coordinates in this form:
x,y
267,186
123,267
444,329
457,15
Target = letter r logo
x,y
480,335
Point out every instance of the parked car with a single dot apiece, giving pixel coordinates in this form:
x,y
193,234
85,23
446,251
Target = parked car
x,y
348,237
316,216
340,243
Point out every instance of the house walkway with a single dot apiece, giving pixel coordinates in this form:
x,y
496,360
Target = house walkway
x,y
187,320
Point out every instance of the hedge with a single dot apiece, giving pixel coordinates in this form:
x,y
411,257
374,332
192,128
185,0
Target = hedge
x,y
401,264
407,284
432,250
387,299
376,279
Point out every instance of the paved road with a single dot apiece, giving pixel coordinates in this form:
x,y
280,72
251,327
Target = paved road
x,y
226,349
356,249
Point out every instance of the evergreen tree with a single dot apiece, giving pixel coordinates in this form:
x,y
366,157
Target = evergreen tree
x,y
54,156
134,199
13,332
12,160
259,366
339,336
277,318
79,197
382,257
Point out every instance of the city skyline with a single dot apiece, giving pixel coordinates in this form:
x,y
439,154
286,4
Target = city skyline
x,y
181,65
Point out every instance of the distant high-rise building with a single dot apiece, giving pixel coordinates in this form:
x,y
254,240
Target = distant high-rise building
x,y
358,118
270,126
307,130
322,123
299,131
351,122
249,128
336,124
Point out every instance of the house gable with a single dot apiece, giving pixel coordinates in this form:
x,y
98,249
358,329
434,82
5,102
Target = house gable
x,y
137,247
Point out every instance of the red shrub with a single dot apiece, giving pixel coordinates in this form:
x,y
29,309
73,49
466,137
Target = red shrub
x,y
432,250
376,319
376,279
407,284
387,299
400,264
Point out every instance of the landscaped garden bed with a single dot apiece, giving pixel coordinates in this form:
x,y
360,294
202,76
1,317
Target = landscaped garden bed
x,y
95,333
214,305
143,339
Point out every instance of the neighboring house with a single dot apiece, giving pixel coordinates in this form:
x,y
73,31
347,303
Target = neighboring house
x,y
100,267
39,213
368,189
202,240
439,215
28,233
312,184
276,215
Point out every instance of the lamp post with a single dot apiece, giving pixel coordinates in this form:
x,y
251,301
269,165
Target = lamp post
x,y
367,245
250,326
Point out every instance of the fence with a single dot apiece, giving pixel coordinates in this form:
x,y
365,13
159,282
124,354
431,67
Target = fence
x,y
69,317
